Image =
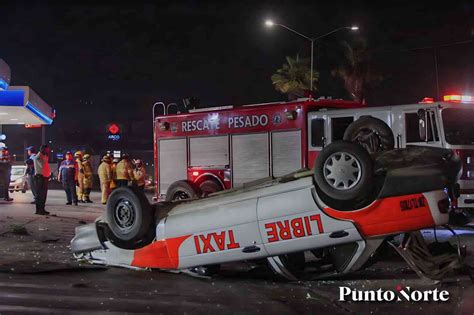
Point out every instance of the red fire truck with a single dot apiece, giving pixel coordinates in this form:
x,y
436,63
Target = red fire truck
x,y
211,149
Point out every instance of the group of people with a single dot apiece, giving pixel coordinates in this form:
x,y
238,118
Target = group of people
x,y
117,173
76,176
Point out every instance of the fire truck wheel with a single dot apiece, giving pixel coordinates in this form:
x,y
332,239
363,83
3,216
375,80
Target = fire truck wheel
x,y
371,133
181,190
209,186
129,214
344,171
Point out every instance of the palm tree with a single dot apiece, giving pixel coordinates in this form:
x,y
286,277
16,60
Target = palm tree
x,y
294,77
355,71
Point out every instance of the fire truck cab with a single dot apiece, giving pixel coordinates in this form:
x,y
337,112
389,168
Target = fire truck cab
x,y
207,150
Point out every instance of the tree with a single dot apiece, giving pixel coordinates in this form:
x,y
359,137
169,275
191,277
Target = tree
x,y
294,77
355,71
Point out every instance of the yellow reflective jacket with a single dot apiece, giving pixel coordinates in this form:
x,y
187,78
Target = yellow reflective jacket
x,y
105,172
88,174
124,170
80,170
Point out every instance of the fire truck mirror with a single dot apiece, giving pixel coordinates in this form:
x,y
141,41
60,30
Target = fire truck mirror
x,y
422,124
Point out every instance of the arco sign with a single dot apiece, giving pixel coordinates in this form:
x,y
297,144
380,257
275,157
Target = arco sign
x,y
113,131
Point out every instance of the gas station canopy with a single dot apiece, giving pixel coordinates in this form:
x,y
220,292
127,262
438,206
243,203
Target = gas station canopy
x,y
20,105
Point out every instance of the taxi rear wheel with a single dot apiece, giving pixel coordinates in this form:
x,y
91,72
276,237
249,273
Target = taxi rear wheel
x,y
343,171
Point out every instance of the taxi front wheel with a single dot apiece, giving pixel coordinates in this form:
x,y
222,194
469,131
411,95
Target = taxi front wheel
x,y
129,214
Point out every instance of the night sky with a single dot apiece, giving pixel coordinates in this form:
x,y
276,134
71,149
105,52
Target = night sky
x,y
96,63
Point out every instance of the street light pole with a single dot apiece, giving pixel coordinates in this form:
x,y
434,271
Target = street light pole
x,y
270,23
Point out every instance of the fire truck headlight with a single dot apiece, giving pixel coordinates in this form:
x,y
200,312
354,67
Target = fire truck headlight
x,y
468,160
164,126
291,115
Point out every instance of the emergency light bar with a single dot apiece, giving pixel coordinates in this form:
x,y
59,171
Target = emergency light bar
x,y
459,98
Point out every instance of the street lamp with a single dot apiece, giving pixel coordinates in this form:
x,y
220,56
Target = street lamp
x,y
270,23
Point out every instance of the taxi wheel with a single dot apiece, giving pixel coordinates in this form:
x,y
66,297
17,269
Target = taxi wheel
x,y
371,133
344,171
129,214
182,190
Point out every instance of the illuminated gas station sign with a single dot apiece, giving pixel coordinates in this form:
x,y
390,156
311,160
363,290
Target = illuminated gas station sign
x,y
114,132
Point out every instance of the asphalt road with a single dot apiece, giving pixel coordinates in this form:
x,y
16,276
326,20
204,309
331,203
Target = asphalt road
x,y
39,275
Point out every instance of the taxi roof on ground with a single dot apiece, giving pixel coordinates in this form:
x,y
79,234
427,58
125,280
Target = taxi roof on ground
x,y
20,105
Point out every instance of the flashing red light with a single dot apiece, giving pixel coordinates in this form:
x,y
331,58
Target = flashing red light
x,y
427,100
459,98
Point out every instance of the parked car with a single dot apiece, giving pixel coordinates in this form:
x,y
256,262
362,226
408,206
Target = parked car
x,y
18,179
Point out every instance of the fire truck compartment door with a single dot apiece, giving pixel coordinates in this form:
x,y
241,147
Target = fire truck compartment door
x,y
291,221
172,162
209,151
218,229
250,157
286,152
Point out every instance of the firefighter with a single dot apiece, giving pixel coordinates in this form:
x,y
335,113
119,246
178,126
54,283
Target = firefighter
x,y
113,166
139,175
67,175
5,173
105,177
124,171
80,176
88,178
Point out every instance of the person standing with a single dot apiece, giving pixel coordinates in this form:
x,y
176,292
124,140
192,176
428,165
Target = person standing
x,y
88,178
5,173
105,177
80,176
113,166
30,171
139,175
124,171
68,177
42,174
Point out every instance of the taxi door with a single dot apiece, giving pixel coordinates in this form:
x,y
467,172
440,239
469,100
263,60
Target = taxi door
x,y
290,220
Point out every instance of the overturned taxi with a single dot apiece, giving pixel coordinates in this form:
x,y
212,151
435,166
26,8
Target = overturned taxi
x,y
341,213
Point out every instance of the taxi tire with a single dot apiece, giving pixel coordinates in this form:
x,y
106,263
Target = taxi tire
x,y
366,125
364,185
142,212
187,189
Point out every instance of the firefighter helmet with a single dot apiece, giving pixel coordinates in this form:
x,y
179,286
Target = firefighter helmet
x,y
78,154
